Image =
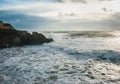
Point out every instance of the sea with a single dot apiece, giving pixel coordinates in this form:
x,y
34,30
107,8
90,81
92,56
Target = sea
x,y
74,57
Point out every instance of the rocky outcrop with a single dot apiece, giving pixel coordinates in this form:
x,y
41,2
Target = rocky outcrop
x,y
6,26
1,25
11,37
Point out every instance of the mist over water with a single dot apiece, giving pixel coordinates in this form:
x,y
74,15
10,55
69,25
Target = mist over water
x,y
72,58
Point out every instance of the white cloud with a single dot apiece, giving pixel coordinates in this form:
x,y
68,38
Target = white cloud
x,y
88,12
53,9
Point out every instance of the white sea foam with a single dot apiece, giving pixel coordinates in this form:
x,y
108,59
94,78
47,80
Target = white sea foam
x,y
12,61
67,60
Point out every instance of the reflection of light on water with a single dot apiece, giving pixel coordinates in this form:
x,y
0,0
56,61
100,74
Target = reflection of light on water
x,y
113,43
117,34
117,40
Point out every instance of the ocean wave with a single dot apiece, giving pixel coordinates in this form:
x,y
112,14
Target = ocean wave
x,y
92,34
63,61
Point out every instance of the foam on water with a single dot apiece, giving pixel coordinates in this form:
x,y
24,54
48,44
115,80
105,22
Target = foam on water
x,y
67,60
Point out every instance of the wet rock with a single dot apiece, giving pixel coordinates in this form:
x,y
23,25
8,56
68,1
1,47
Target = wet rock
x,y
10,37
6,26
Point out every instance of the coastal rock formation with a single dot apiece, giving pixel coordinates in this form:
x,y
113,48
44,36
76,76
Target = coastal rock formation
x,y
6,26
10,37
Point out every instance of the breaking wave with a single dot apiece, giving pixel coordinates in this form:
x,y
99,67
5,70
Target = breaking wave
x,y
67,60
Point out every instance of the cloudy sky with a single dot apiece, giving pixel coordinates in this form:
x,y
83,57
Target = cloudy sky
x,y
61,14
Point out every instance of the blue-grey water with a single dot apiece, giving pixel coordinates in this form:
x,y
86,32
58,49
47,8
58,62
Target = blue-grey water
x,y
72,58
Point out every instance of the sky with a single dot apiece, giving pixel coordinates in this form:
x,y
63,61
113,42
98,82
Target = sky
x,y
61,15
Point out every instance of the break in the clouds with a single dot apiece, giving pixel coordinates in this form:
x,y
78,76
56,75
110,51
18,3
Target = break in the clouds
x,y
61,14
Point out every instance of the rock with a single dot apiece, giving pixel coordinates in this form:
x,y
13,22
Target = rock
x,y
10,37
6,26
1,25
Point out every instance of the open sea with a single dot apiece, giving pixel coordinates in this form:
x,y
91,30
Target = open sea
x,y
86,57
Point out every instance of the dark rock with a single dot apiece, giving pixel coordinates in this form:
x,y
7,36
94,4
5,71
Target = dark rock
x,y
6,26
10,37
